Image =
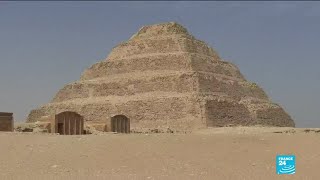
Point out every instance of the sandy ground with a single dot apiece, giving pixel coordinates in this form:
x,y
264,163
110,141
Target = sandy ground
x,y
223,153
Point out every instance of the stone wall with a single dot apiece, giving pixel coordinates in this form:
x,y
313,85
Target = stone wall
x,y
176,113
210,65
274,117
72,91
181,82
224,113
161,62
233,88
6,122
161,45
148,46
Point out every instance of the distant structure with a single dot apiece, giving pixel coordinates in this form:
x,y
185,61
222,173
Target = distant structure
x,y
6,121
163,79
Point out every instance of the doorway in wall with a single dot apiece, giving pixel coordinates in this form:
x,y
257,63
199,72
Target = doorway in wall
x,y
120,124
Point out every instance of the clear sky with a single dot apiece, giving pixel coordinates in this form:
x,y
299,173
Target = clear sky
x,y
45,45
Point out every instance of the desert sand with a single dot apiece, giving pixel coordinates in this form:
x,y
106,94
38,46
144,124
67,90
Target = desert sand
x,y
214,153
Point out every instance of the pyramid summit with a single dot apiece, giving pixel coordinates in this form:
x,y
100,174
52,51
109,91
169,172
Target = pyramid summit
x,y
171,28
164,78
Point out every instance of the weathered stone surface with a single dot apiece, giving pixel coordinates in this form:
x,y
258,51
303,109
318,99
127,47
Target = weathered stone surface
x,y
163,78
36,127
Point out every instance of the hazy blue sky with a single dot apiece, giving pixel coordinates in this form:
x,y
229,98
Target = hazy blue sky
x,y
44,45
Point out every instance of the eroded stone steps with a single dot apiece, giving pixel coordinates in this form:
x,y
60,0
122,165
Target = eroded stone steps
x,y
166,81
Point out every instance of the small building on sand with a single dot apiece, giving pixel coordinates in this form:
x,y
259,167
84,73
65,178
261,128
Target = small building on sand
x,y
6,121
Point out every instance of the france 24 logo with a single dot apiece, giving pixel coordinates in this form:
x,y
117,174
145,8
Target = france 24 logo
x,y
286,164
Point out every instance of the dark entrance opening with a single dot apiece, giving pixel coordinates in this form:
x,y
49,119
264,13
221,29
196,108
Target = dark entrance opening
x,y
60,128
120,124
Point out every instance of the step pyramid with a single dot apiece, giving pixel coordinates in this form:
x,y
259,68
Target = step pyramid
x,y
161,78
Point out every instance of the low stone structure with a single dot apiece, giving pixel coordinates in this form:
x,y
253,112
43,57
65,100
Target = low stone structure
x,y
120,124
67,123
163,79
6,121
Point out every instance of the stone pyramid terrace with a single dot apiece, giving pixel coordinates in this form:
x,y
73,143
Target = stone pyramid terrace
x,y
163,78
